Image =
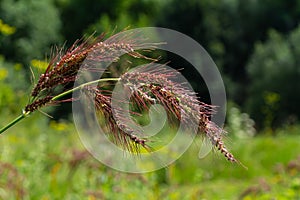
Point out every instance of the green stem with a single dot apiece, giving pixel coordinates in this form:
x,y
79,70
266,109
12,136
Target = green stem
x,y
16,120
83,85
25,114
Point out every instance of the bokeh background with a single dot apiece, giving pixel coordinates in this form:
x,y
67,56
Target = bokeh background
x,y
255,45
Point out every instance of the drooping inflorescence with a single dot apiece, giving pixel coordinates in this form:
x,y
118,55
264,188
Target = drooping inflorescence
x,y
147,87
119,131
157,86
64,66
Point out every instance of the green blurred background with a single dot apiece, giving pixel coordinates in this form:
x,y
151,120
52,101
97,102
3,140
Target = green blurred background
x,y
255,45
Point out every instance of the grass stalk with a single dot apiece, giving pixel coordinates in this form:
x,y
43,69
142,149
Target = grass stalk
x,y
82,86
13,122
25,114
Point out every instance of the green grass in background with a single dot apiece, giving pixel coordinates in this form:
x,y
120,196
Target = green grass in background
x,y
41,160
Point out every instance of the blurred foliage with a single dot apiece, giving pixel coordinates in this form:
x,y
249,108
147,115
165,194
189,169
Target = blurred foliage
x,y
52,164
274,74
131,14
39,64
251,42
13,95
239,124
228,30
255,45
37,25
6,29
104,15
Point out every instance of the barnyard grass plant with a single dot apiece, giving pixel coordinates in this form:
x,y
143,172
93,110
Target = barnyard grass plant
x,y
174,97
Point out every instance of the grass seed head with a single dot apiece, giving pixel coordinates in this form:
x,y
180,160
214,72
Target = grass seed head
x,y
147,87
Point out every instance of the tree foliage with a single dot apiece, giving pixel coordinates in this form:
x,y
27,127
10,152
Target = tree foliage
x,y
274,73
37,26
104,15
230,30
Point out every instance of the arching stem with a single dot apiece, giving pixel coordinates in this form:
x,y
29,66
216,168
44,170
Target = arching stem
x,y
25,114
